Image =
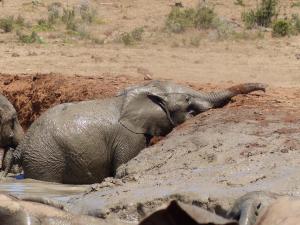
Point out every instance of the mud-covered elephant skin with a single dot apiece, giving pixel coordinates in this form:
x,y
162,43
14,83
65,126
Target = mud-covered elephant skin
x,y
250,206
84,142
16,212
11,132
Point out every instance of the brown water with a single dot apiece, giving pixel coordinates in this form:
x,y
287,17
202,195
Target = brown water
x,y
28,187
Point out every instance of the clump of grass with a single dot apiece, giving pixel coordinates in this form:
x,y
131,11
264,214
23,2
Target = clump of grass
x,y
69,19
180,19
195,41
43,25
8,24
87,14
282,28
296,23
295,4
239,2
263,15
54,13
130,38
30,38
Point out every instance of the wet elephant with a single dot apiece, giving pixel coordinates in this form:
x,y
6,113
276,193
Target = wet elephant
x,y
11,132
84,142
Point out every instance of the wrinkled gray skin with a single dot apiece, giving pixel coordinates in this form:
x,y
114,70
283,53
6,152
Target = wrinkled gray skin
x,y
248,207
11,132
84,142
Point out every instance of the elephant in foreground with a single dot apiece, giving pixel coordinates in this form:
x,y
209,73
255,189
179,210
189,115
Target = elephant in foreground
x,y
11,132
85,142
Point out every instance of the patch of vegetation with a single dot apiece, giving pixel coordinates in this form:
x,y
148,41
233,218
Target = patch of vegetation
x,y
87,14
263,15
195,41
282,28
43,25
130,38
179,19
54,13
295,4
296,23
69,19
31,38
8,24
239,2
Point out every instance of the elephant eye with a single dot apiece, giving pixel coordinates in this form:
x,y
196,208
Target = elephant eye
x,y
187,98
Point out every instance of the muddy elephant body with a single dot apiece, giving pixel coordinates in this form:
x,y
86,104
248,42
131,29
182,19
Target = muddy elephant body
x,y
78,143
85,142
11,132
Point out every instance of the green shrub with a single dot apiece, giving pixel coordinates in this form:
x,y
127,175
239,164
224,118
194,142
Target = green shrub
x,y
29,39
43,25
195,41
180,19
296,23
249,19
204,18
239,2
69,19
295,4
282,28
130,38
262,15
7,24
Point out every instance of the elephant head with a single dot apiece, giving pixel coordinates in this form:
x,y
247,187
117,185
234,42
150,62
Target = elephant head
x,y
11,131
157,107
157,113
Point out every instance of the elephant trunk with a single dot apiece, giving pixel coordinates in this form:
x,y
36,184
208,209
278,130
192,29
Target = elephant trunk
x,y
221,98
18,135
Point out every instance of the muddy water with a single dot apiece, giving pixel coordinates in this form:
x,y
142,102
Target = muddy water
x,y
23,188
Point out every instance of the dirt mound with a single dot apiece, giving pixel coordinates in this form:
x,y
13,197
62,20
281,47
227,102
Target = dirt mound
x,y
33,94
209,161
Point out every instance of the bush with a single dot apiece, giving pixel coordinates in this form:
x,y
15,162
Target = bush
x,y
43,25
68,18
180,19
204,18
296,23
53,13
130,38
29,39
87,15
282,28
7,24
262,16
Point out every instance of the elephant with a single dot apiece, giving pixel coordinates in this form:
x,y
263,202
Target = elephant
x,y
11,133
85,142
250,206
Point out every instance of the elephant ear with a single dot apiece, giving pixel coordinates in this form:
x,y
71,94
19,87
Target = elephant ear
x,y
145,113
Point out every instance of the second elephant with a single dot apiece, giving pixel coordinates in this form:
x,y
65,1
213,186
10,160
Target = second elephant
x,y
85,142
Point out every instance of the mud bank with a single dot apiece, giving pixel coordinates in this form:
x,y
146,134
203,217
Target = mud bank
x,y
252,144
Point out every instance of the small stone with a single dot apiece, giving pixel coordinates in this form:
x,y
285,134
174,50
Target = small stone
x,y
15,54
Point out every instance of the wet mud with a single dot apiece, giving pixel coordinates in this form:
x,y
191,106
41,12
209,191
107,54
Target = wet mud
x,y
209,161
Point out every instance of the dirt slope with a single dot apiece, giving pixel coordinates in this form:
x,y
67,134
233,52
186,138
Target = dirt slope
x,y
252,144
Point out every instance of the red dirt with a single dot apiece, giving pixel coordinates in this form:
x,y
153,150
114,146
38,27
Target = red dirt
x,y
33,94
